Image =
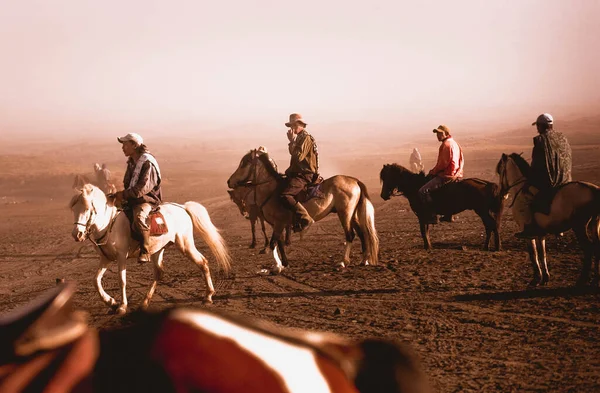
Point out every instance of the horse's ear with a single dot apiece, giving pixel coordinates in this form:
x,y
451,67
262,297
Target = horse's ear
x,y
230,192
110,199
504,156
521,153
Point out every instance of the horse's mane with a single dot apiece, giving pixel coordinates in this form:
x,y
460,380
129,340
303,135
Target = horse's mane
x,y
79,194
264,158
398,170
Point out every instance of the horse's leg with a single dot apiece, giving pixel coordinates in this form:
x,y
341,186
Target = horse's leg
x,y
541,246
346,221
264,232
188,248
253,226
157,263
490,227
122,262
98,283
288,235
278,250
588,253
425,235
533,258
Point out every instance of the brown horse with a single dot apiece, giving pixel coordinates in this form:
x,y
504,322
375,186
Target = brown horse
x,y
479,195
575,205
344,195
47,346
245,199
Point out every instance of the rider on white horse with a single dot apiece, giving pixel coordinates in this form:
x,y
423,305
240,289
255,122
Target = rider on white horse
x,y
303,170
142,186
449,168
550,168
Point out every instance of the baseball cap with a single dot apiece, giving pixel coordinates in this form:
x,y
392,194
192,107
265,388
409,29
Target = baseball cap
x,y
132,137
544,118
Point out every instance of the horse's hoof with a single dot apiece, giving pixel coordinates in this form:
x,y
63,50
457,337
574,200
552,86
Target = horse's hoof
x,y
112,303
263,251
207,300
122,310
145,304
341,265
533,283
252,246
276,270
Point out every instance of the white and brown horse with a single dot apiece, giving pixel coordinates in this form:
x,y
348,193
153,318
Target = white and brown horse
x,y
575,205
109,229
344,195
48,347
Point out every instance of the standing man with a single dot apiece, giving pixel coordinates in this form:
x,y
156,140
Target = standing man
x,y
303,170
415,161
142,186
449,168
550,168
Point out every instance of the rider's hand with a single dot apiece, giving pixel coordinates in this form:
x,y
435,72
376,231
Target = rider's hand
x,y
291,135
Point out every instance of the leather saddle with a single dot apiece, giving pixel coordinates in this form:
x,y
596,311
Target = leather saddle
x,y
46,323
312,190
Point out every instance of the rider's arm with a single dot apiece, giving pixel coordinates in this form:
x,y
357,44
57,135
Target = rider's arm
x,y
147,181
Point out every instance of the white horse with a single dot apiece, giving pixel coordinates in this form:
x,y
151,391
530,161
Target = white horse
x,y
108,228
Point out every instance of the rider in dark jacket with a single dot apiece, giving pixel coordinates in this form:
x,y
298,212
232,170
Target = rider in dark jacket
x,y
550,168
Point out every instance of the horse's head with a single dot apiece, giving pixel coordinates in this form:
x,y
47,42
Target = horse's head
x,y
84,207
246,169
512,170
239,199
398,180
254,168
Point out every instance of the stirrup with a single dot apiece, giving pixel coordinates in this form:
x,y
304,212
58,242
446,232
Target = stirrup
x,y
143,258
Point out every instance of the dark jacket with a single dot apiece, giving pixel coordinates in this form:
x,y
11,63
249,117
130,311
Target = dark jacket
x,y
305,157
550,160
147,189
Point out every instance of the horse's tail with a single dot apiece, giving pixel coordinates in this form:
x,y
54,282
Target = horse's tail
x,y
366,218
209,233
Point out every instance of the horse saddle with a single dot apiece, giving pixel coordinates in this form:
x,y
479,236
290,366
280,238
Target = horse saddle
x,y
312,190
46,323
156,222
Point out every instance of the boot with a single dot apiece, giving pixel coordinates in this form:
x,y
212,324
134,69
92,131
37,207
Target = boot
x,y
530,231
144,244
302,220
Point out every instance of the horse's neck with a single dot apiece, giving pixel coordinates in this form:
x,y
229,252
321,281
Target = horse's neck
x,y
105,215
513,173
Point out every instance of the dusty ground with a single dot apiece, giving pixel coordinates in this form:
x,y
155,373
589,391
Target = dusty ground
x,y
466,312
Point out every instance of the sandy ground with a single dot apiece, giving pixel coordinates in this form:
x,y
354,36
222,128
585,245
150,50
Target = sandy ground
x,y
466,312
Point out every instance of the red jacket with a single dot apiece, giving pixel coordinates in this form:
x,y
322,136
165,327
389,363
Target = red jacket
x,y
450,161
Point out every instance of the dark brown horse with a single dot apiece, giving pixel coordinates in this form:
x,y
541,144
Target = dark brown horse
x,y
344,195
46,346
479,195
244,197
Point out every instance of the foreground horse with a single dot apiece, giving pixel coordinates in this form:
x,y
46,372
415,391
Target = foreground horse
x,y
46,346
481,196
244,198
343,195
575,205
98,220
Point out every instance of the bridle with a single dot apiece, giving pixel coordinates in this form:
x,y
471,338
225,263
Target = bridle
x,y
504,180
90,222
251,182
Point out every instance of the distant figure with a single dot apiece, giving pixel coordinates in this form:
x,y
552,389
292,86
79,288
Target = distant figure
x,y
104,179
415,162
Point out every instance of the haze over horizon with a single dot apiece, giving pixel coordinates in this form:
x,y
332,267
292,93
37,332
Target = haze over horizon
x,y
188,66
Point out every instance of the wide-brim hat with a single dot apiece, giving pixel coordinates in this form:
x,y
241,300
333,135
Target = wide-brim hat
x,y
295,118
442,128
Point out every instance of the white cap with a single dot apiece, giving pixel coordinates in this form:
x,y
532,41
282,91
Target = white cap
x,y
132,137
544,118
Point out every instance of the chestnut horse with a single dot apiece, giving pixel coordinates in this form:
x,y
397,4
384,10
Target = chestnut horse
x,y
344,195
575,205
482,196
47,346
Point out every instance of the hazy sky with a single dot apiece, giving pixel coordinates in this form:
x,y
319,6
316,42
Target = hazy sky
x,y
83,64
